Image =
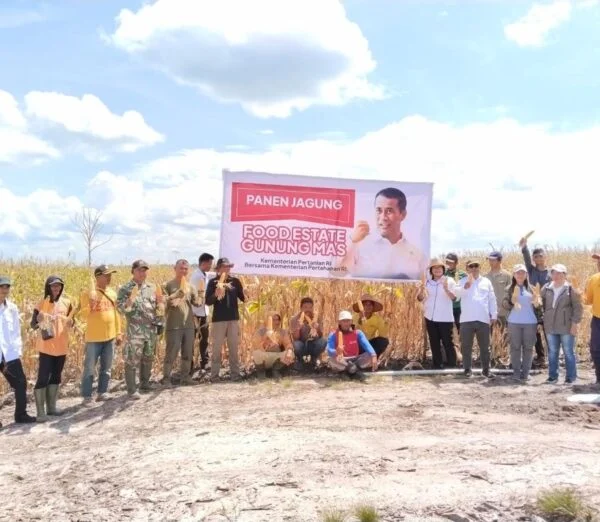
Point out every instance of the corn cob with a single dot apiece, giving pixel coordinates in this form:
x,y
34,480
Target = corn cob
x,y
515,297
361,307
340,346
528,235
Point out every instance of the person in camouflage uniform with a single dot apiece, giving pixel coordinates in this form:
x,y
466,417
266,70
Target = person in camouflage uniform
x,y
144,323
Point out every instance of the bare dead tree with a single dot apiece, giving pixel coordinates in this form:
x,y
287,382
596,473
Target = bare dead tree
x,y
89,224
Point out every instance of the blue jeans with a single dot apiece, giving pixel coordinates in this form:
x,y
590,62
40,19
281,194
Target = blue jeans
x,y
105,351
568,346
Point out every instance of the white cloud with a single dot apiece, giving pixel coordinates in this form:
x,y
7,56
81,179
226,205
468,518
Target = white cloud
x,y
493,182
532,29
271,56
17,143
88,117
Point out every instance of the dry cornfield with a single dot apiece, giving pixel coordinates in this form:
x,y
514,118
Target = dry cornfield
x,y
264,294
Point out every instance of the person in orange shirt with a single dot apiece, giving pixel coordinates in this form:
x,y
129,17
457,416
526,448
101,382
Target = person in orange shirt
x,y
592,298
52,317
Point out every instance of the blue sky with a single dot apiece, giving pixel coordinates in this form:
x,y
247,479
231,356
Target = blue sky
x,y
134,108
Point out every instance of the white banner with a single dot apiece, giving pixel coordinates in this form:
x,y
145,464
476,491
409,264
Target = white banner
x,y
304,226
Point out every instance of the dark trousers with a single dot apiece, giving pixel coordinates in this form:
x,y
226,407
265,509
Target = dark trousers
x,y
440,334
49,370
456,313
13,371
203,333
470,330
379,344
595,346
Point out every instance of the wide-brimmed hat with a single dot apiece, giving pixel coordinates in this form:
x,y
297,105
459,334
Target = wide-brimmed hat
x,y
436,262
377,306
596,257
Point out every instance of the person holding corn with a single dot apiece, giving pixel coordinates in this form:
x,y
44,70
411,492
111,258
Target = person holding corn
x,y
199,279
98,308
523,304
223,293
52,317
367,317
180,328
349,349
272,348
307,333
142,305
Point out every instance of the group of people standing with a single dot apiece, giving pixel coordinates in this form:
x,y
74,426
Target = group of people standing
x,y
531,303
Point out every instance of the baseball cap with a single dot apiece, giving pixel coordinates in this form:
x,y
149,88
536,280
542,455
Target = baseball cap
x,y
519,268
473,263
559,268
345,316
224,261
495,255
104,270
452,257
55,279
5,281
140,263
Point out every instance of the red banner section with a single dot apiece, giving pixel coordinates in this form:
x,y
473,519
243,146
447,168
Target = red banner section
x,y
262,202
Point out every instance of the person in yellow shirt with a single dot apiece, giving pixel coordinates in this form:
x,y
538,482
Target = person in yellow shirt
x,y
592,297
371,323
52,317
103,332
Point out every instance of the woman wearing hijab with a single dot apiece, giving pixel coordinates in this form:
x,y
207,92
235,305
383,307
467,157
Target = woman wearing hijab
x,y
523,304
52,317
439,296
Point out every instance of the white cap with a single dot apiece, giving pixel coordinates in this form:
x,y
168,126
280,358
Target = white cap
x,y
559,268
519,268
345,315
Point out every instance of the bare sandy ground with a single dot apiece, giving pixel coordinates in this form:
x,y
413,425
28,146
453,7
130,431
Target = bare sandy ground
x,y
416,448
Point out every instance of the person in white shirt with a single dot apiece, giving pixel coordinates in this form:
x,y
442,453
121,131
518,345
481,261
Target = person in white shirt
x,y
438,294
387,254
479,310
199,280
11,350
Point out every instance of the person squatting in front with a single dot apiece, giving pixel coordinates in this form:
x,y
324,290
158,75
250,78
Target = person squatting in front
x,y
272,348
142,305
369,320
349,350
307,334
52,317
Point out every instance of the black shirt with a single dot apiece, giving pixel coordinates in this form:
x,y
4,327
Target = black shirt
x,y
225,309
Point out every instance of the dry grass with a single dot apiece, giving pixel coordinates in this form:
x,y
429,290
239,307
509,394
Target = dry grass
x,y
563,505
267,294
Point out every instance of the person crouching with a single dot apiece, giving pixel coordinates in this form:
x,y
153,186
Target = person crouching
x,y
272,348
349,349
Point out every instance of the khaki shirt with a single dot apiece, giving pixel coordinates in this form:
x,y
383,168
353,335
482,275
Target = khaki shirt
x,y
500,280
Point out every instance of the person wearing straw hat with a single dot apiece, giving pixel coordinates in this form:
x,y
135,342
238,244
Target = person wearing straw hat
x,y
373,325
479,310
272,348
11,351
521,303
438,295
349,349
563,312
592,298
